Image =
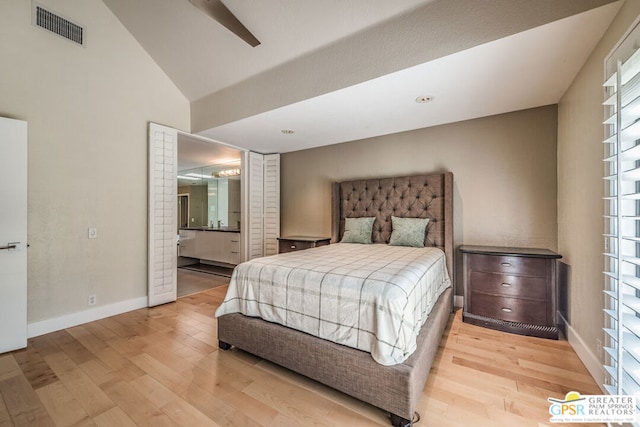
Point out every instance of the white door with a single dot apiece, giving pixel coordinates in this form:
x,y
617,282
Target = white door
x,y
163,215
253,170
271,203
261,175
13,234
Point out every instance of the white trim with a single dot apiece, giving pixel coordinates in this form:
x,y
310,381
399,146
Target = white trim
x,y
458,301
74,319
590,360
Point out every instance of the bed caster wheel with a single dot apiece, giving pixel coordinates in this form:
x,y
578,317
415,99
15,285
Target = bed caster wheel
x,y
223,345
397,421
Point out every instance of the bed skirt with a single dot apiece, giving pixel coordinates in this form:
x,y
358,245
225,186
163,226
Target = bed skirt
x,y
395,388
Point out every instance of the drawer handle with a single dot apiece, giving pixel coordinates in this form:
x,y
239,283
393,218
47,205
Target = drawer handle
x,y
506,310
506,285
506,264
293,246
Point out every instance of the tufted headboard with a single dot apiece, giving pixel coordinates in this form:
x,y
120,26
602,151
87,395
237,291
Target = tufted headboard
x,y
417,196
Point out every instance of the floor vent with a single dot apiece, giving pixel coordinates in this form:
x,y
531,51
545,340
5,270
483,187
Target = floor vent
x,y
48,20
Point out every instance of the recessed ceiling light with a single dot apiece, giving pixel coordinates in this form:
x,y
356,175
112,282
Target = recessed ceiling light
x,y
287,131
424,99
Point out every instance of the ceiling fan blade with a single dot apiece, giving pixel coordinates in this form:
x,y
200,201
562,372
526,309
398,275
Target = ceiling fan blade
x,y
218,11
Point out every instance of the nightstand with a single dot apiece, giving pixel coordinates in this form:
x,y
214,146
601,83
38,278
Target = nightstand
x,y
511,289
297,243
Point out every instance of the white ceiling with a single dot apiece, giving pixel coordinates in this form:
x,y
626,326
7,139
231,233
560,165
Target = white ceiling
x,y
203,57
525,69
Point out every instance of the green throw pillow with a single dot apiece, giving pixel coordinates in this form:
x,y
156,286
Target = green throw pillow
x,y
358,230
408,231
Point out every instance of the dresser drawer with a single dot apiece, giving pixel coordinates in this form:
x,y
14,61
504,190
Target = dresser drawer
x,y
509,264
509,285
510,309
511,289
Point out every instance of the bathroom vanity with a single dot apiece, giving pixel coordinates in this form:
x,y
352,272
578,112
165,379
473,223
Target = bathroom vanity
x,y
216,244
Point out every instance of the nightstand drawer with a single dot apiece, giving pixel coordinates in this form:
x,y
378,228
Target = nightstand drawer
x,y
509,285
511,309
291,245
509,264
298,243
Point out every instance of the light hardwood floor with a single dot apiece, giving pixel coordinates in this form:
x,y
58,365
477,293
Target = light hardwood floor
x,y
191,282
161,367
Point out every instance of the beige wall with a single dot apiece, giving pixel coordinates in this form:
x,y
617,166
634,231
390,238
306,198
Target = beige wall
x,y
580,190
88,110
504,172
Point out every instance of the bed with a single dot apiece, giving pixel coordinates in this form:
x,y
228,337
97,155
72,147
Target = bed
x,y
392,385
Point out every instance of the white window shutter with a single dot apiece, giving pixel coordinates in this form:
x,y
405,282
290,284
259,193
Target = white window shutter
x,y
622,218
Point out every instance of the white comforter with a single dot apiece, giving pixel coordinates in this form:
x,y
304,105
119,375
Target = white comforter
x,y
371,297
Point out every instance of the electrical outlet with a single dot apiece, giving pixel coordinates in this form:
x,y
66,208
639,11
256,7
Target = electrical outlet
x,y
93,233
91,300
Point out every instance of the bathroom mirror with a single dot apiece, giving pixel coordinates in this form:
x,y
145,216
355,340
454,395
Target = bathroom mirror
x,y
209,197
208,184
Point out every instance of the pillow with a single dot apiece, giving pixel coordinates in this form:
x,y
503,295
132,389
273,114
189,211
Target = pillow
x,y
408,231
357,230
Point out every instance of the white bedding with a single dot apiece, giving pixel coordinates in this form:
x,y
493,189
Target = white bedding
x,y
371,297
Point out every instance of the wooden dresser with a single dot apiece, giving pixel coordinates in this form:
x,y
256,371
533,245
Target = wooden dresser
x,y
297,243
511,289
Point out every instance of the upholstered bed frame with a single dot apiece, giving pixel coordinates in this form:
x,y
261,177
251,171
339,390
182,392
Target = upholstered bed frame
x,y
396,388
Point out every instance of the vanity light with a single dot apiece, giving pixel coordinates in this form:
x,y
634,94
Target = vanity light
x,y
229,172
193,175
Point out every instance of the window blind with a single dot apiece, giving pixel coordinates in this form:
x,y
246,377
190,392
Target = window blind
x,y
622,227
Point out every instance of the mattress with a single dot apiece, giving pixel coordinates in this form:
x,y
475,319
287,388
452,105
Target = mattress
x,y
373,297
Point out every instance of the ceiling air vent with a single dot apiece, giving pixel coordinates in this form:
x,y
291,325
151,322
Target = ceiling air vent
x,y
48,20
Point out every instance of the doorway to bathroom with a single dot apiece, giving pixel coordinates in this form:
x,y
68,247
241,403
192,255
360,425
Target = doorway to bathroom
x,y
209,213
253,235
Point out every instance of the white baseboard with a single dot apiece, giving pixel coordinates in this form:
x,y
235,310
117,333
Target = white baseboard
x,y
590,360
458,301
74,319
